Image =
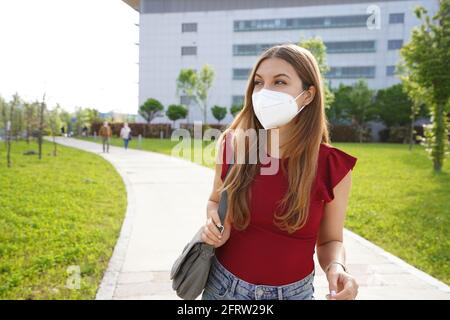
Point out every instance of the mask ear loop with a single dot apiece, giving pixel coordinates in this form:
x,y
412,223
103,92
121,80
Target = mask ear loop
x,y
302,107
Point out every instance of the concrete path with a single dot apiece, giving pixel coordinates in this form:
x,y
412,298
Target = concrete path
x,y
166,205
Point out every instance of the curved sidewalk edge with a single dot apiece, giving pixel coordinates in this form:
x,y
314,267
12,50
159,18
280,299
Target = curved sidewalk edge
x,y
400,263
139,266
111,276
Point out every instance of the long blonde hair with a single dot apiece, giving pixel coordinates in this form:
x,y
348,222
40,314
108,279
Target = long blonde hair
x,y
309,130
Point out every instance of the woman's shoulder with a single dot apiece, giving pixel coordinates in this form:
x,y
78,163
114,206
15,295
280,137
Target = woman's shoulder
x,y
334,164
327,149
330,156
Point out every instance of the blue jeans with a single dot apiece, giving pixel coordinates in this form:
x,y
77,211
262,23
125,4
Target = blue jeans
x,y
223,285
125,141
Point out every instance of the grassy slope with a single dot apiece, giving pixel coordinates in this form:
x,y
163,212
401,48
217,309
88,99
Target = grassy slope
x,y
55,213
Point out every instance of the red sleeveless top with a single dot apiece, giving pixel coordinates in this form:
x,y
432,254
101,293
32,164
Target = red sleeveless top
x,y
264,254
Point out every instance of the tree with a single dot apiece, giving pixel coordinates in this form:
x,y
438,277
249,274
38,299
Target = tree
x,y
151,109
195,86
235,109
176,112
361,106
393,106
93,116
4,114
319,51
16,101
339,112
66,120
82,119
204,82
219,112
417,94
54,121
3,117
17,120
31,119
41,125
426,59
186,82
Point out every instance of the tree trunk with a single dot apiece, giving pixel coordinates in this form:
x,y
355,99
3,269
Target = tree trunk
x,y
204,114
411,134
9,129
41,127
360,133
439,128
54,145
8,147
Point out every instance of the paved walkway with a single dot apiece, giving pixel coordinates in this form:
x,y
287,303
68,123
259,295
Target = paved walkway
x,y
166,205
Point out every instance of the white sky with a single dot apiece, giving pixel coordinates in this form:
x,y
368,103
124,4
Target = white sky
x,y
80,52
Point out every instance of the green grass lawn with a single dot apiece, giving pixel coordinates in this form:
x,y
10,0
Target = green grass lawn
x,y
400,204
397,201
55,213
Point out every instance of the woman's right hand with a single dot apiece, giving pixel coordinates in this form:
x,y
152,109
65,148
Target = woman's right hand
x,y
211,234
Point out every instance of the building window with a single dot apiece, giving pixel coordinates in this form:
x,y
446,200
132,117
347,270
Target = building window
x,y
188,51
301,23
396,18
350,46
390,70
395,44
189,27
351,72
185,100
332,47
241,74
250,49
237,100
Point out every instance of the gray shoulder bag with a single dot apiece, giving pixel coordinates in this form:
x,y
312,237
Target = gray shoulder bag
x,y
191,269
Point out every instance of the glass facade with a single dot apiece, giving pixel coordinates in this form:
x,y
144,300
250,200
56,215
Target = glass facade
x,y
189,27
351,72
332,47
396,18
390,70
350,46
185,100
250,49
237,100
188,51
395,44
301,23
241,74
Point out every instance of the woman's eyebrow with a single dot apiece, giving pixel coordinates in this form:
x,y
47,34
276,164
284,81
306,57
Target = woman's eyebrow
x,y
277,75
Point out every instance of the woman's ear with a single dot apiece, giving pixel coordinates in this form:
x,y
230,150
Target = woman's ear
x,y
311,93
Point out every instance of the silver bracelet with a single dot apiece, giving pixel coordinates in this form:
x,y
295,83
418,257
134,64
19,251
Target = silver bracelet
x,y
335,262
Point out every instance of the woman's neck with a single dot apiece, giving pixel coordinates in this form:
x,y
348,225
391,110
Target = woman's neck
x,y
279,149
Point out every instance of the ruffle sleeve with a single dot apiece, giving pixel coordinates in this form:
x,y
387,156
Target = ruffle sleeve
x,y
338,164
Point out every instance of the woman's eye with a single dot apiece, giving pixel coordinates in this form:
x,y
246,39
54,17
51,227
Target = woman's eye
x,y
256,83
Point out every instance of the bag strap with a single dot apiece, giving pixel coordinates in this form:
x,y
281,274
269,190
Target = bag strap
x,y
223,203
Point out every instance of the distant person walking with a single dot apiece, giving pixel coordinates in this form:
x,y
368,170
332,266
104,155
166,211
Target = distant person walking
x,y
105,133
125,134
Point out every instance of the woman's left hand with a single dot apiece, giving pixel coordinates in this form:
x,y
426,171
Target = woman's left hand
x,y
341,284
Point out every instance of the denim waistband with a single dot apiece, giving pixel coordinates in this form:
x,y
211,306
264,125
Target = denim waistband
x,y
259,290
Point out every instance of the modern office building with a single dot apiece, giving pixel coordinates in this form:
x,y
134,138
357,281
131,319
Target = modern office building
x,y
363,39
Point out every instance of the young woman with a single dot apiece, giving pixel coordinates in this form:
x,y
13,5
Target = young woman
x,y
274,221
125,133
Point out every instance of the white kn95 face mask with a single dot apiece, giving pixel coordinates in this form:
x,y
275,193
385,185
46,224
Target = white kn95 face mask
x,y
274,109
